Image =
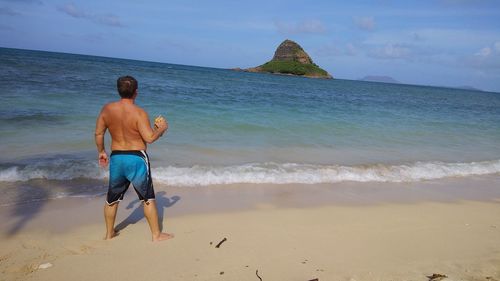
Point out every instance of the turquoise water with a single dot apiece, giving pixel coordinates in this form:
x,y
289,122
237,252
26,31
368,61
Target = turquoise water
x,y
235,127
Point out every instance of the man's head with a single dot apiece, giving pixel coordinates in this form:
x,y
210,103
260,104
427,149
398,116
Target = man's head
x,y
127,87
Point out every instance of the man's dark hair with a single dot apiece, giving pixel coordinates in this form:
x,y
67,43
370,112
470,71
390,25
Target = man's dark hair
x,y
127,85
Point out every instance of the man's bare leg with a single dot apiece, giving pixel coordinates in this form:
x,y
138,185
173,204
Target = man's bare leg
x,y
109,217
151,214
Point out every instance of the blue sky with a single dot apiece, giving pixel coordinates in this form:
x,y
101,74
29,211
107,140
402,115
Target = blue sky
x,y
440,42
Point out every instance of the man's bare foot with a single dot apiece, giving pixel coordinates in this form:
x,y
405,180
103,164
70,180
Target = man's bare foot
x,y
111,235
162,236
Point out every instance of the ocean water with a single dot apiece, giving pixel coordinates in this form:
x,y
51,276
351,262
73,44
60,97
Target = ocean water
x,y
234,127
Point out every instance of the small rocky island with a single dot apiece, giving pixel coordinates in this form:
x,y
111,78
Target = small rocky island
x,y
291,59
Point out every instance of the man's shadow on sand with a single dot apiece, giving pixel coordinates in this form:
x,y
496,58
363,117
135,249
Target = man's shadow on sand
x,y
25,208
162,202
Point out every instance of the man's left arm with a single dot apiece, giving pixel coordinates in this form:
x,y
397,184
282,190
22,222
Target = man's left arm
x,y
100,130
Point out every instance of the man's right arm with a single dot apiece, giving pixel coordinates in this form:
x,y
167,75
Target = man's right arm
x,y
148,134
100,130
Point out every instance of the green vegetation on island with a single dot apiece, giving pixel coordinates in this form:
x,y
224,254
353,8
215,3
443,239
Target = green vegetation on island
x,y
289,58
293,67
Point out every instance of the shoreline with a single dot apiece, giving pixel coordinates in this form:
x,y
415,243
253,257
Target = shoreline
x,y
346,232
181,201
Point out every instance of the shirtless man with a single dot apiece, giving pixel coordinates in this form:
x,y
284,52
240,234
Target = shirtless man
x,y
130,132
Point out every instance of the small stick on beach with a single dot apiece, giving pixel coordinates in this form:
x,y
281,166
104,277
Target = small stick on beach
x,y
437,277
257,273
220,243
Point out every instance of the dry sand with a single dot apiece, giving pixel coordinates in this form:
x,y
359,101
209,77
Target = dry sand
x,y
392,240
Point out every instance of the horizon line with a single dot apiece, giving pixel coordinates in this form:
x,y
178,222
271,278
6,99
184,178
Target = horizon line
x,y
211,67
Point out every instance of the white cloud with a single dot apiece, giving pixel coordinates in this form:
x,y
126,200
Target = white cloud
x,y
310,26
392,51
443,38
76,12
450,47
71,10
365,23
497,46
484,52
486,58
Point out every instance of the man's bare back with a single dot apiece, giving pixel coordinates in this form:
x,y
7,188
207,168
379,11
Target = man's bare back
x,y
130,131
128,125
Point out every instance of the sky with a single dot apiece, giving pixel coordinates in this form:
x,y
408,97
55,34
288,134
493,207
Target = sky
x,y
441,42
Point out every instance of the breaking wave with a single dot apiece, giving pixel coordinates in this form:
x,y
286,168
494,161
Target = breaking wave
x,y
259,173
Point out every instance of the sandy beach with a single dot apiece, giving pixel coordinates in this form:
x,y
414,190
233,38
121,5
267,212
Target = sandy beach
x,y
336,232
388,169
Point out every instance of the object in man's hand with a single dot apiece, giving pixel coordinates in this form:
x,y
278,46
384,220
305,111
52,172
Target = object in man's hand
x,y
157,120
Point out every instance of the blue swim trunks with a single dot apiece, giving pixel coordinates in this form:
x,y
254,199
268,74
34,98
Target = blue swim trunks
x,y
129,166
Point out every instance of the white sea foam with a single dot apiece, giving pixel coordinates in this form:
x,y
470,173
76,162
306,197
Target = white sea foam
x,y
270,173
52,171
311,174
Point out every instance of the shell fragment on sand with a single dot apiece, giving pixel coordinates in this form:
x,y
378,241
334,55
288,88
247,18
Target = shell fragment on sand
x,y
45,265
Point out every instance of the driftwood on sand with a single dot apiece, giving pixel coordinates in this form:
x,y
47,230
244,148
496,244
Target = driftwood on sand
x,y
257,273
220,243
437,277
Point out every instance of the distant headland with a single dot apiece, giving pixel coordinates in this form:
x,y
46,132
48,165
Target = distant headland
x,y
290,59
383,79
